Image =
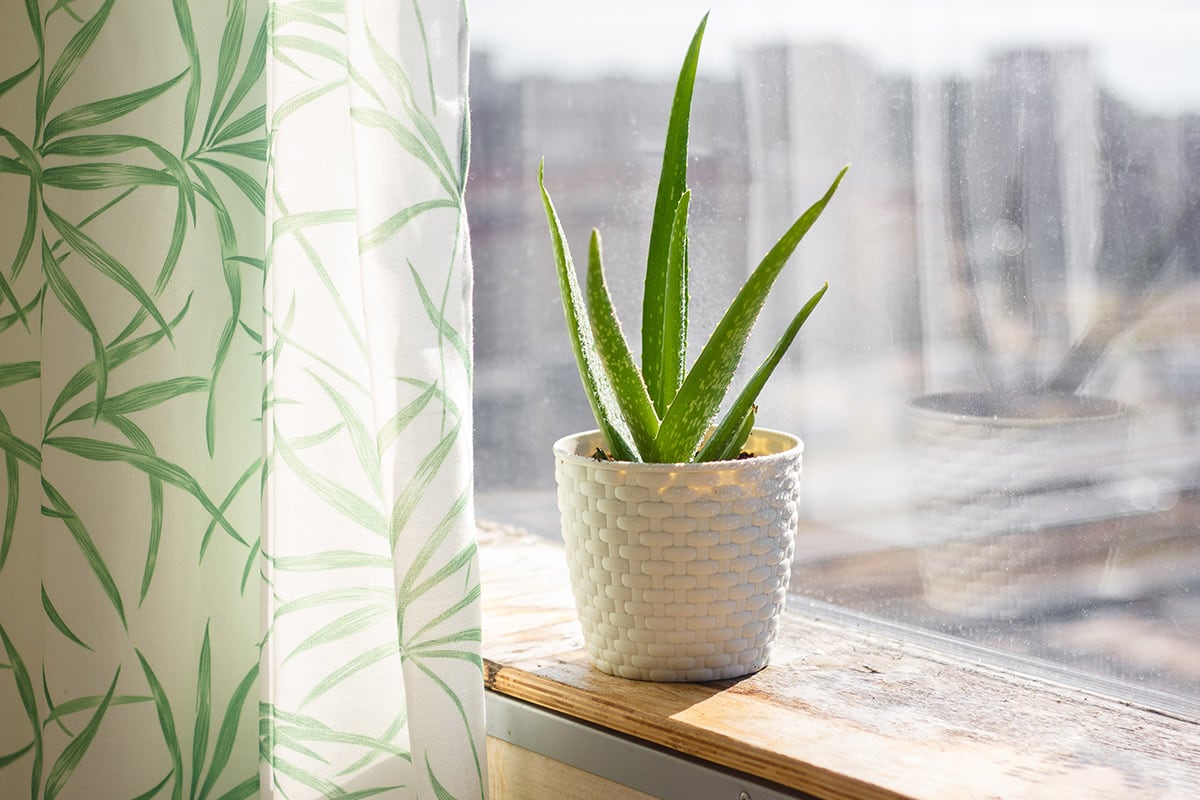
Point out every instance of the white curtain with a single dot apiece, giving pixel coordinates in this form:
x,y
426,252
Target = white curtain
x,y
235,402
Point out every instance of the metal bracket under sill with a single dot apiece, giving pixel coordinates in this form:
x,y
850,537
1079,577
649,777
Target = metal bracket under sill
x,y
641,766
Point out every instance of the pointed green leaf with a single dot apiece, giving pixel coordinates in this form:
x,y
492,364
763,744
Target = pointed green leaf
x,y
166,723
187,32
672,183
613,348
596,384
12,481
9,83
337,497
244,790
331,559
73,54
396,425
152,792
252,121
227,59
675,310
405,591
228,732
346,625
704,388
250,186
86,177
392,225
107,265
203,710
141,398
347,670
251,73
19,372
115,356
101,111
413,492
29,702
360,438
407,140
444,328
5,760
62,510
78,704
56,279
57,620
73,753
744,402
156,466
727,443
440,792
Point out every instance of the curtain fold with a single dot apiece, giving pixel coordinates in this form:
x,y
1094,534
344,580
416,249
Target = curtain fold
x,y
235,472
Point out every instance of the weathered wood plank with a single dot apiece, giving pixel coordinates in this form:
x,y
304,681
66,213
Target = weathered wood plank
x,y
840,713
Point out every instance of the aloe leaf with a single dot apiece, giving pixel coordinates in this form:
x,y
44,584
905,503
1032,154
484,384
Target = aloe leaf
x,y
706,383
613,348
675,309
738,442
672,183
745,400
596,384
73,753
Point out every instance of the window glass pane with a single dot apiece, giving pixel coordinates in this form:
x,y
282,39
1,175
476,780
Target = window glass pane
x,y
999,396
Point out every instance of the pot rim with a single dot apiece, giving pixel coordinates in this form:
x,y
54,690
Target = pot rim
x,y
975,408
567,448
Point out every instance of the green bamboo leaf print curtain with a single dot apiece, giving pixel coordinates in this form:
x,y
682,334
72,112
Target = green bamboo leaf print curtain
x,y
236,554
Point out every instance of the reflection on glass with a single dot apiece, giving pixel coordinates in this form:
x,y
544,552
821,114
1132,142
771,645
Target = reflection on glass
x,y
1000,395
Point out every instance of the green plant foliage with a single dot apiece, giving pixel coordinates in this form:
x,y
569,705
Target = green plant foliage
x,y
664,412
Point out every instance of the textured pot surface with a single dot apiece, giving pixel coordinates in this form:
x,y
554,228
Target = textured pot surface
x,y
679,571
997,485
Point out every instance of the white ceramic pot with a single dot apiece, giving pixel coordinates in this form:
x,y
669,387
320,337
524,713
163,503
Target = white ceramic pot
x,y
1002,494
679,571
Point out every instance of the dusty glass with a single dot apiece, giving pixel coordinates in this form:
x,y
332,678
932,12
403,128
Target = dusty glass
x,y
1000,394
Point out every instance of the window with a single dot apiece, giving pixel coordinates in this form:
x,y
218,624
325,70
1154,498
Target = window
x,y
1000,395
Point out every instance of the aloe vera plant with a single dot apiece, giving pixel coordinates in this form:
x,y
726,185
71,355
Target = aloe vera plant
x,y
662,412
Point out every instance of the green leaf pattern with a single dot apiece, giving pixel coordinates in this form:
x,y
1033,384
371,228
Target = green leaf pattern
x,y
235,402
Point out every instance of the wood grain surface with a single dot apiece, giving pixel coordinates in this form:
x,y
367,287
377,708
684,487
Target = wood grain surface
x,y
841,712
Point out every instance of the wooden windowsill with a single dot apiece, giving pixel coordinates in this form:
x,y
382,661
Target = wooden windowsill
x,y
841,712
